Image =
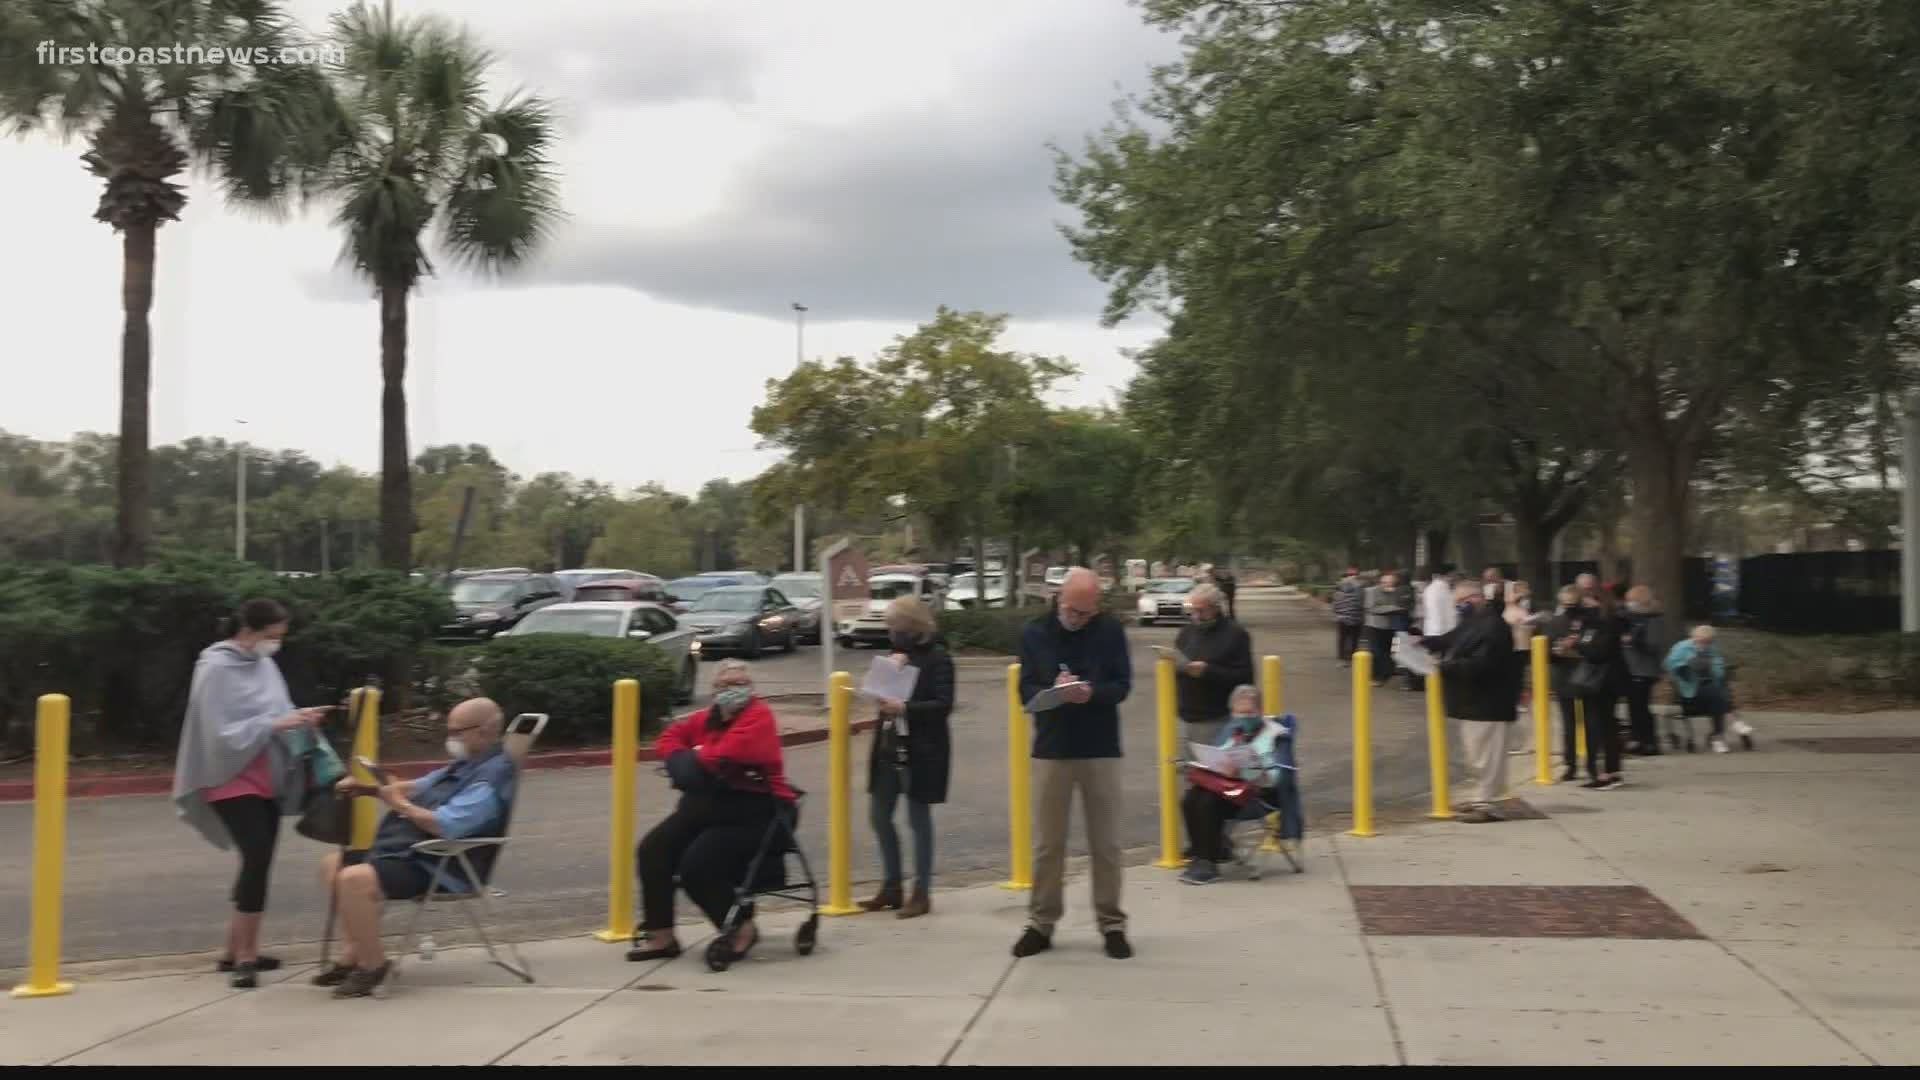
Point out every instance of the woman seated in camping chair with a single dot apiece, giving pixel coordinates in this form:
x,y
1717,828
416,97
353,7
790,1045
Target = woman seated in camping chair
x,y
1217,798
726,762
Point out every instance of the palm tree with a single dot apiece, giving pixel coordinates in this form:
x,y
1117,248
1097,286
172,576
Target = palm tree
x,y
145,118
416,143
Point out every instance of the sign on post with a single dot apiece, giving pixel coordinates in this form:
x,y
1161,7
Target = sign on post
x,y
844,569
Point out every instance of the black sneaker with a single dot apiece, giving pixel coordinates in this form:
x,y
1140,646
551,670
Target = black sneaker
x,y
1117,946
1569,775
243,977
333,976
1614,784
263,962
1032,942
362,982
1594,785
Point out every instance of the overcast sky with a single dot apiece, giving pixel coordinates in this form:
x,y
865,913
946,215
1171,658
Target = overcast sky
x,y
722,158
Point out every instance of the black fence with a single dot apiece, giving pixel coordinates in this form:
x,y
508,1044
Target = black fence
x,y
1835,592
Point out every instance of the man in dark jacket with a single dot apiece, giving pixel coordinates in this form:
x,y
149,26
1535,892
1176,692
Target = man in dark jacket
x,y
1563,633
1076,745
1349,615
1219,657
1228,585
1474,656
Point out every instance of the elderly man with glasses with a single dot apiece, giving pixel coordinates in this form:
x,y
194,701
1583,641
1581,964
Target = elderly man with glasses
x,y
1079,649
469,796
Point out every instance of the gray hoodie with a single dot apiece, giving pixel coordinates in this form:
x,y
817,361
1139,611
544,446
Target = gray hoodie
x,y
235,698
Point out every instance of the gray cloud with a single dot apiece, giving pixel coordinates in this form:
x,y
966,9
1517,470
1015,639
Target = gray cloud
x,y
950,205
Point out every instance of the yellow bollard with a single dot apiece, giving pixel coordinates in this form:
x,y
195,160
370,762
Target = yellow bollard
x,y
1542,725
49,848
620,867
1270,705
1270,686
366,744
1362,744
1579,734
1019,787
1437,746
1169,749
840,799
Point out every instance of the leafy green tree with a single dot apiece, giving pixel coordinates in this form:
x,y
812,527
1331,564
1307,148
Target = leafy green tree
x,y
144,120
414,141
647,533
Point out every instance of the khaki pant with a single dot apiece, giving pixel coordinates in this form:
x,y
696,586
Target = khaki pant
x,y
1485,742
1099,782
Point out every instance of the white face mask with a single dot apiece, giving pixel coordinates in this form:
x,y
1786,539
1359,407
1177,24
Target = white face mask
x,y
457,749
265,648
1490,590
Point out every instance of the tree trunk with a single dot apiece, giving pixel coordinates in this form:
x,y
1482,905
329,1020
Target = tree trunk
x,y
1534,541
1436,548
326,548
133,524
396,464
1473,548
1662,471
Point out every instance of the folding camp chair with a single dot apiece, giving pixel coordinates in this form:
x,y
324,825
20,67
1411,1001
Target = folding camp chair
x,y
518,741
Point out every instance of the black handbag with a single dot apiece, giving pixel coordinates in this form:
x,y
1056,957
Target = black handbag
x,y
324,816
1588,679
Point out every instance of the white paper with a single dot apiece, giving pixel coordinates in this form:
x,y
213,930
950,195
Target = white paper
x,y
1051,698
1225,760
1412,657
1179,658
888,678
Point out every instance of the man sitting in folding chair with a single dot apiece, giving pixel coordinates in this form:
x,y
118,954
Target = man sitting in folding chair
x,y
470,799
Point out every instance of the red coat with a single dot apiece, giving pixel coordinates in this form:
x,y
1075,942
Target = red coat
x,y
752,740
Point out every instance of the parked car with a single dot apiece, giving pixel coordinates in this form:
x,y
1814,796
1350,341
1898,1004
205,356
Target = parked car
x,y
628,619
683,593
742,620
808,592
964,591
490,603
871,627
644,587
741,577
1164,600
573,579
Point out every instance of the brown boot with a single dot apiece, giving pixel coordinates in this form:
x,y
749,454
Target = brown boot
x,y
887,897
921,904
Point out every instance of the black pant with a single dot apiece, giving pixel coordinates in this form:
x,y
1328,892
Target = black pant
x,y
1569,724
254,824
1228,592
1380,644
1710,701
1346,639
1207,816
1640,709
707,841
1603,734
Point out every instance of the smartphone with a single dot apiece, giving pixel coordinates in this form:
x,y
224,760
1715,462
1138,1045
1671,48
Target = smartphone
x,y
379,774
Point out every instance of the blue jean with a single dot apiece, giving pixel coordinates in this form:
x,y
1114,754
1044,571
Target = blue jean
x,y
886,793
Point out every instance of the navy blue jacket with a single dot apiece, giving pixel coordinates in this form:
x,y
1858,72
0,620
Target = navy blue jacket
x,y
1097,653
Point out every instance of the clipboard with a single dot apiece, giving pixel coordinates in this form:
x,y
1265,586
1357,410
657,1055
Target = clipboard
x,y
1051,698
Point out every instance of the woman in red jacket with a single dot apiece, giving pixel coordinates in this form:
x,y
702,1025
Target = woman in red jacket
x,y
726,762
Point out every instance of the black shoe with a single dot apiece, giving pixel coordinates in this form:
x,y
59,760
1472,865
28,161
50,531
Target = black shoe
x,y
1594,785
333,976
1569,775
1117,946
642,952
244,977
1032,942
263,962
361,982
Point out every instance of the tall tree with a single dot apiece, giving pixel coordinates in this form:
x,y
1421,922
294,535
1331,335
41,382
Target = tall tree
x,y
415,142
145,115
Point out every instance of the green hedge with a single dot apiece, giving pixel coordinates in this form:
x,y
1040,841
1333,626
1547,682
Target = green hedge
x,y
122,642
999,629
570,677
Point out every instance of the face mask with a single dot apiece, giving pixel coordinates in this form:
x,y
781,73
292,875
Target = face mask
x,y
265,648
1206,619
1463,607
1490,590
457,749
732,699
1636,607
902,641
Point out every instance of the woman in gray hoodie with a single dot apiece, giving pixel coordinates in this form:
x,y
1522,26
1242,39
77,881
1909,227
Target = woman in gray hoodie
x,y
240,758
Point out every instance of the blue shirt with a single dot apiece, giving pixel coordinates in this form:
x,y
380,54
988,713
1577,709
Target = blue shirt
x,y
472,807
467,798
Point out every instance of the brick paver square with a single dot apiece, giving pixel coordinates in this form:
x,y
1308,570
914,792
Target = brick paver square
x,y
1576,911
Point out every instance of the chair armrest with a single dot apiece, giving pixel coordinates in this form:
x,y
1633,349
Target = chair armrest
x,y
444,847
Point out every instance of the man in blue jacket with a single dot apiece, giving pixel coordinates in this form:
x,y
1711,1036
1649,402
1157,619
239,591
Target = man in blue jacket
x,y
1076,745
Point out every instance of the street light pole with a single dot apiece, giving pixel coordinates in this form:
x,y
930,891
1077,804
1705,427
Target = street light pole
x,y
1910,515
240,497
799,511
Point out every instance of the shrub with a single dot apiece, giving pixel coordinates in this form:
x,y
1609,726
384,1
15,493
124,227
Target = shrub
x,y
989,629
570,677
122,642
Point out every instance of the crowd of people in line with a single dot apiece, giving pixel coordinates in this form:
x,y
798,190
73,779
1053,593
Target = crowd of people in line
x,y
248,757
1608,643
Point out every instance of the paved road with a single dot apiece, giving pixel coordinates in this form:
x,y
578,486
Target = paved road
x,y
140,883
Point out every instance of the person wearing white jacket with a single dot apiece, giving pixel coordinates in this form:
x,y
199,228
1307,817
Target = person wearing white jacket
x,y
1437,615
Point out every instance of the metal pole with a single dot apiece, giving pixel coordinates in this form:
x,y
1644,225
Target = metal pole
x,y
626,746
799,538
50,744
1910,515
800,512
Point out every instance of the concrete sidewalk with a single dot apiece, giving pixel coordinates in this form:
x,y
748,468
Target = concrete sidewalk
x,y
1742,909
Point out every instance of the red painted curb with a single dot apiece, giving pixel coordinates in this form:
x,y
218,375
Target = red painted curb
x,y
156,783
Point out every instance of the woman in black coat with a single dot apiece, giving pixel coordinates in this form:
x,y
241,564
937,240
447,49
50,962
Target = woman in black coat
x,y
912,755
1598,681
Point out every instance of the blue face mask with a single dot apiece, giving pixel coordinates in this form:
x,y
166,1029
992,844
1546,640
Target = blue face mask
x,y
1463,607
